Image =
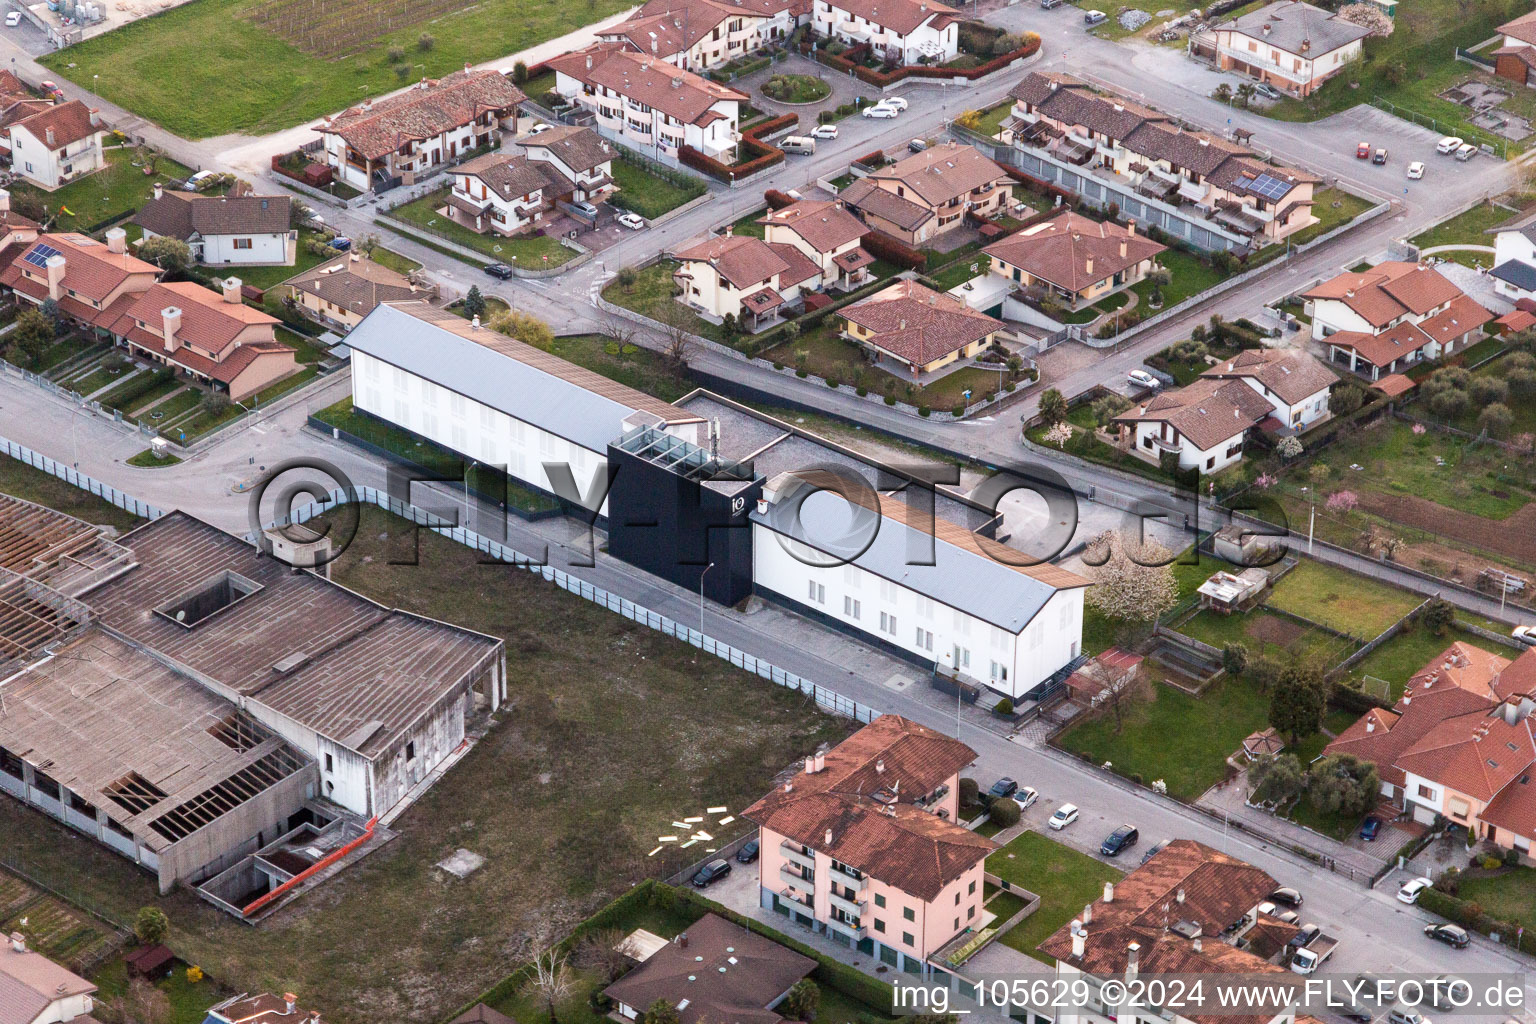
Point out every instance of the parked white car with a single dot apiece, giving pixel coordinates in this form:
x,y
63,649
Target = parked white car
x,y
1065,815
1466,152
1449,144
633,221
824,131
1416,170
1409,893
1141,379
1524,635
1026,797
895,103
13,19
538,128
878,110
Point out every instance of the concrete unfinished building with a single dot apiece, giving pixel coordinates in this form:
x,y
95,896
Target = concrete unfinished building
x,y
210,712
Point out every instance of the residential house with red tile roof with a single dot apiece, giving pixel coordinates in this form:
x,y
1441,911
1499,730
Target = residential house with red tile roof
x,y
92,283
918,329
16,231
1076,259
1458,744
504,193
863,845
578,155
929,193
1515,59
53,144
827,234
1294,382
35,990
743,277
1204,188
642,102
214,338
394,139
340,292
1188,910
238,230
906,31
1386,319
697,35
1205,423
262,1009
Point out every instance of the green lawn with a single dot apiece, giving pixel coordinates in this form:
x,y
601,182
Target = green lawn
x,y
1349,603
1411,650
392,260
651,295
65,350
1465,229
993,117
173,407
1172,736
189,1002
147,459
22,481
1065,880
266,277
527,251
648,193
639,368
1524,411
1086,445
1190,570
957,273
245,78
1412,65
116,190
1332,207
1190,274
1266,634
796,88
1510,895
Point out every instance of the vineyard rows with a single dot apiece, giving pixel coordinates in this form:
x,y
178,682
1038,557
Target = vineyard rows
x,y
336,28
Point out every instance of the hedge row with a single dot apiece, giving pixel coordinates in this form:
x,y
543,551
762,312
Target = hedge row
x,y
875,158
1470,915
777,200
893,250
124,396
762,155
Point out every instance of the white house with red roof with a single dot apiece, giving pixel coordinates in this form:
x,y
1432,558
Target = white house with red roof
x,y
1386,319
56,144
744,277
35,990
907,30
700,34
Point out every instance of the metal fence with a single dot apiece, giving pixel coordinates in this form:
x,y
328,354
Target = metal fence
x,y
70,475
830,700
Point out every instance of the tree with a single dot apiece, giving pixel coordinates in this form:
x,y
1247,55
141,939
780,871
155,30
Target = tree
x,y
661,1012
520,74
601,951
1015,366
143,1003
1004,812
970,791
1343,784
299,213
29,339
1297,703
1223,93
1289,447
1449,403
620,332
1234,658
170,254
50,309
1345,399
474,302
1263,673
29,205
728,325
214,403
1245,93
1274,780
1438,616
552,984
1495,420
1135,584
151,926
803,999
425,42
525,327
1367,16
1107,408
1053,406
626,277
675,325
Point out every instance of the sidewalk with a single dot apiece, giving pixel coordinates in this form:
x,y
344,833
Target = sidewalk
x,y
1229,801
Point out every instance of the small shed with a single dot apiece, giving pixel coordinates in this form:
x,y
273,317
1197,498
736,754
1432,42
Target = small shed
x,y
1243,545
1262,744
149,962
1226,593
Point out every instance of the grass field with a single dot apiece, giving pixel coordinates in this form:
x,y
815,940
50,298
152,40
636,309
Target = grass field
x,y
1268,635
1190,276
612,731
116,190
1406,653
266,277
189,1001
1465,229
1064,879
1189,571
647,193
246,79
1349,603
1172,736
527,251
639,368
22,481
1510,895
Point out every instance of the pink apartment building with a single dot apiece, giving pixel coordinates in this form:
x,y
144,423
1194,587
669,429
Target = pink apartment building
x,y
863,847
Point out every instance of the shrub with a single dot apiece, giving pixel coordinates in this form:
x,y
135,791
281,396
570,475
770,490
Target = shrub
x,y
520,74
969,791
1488,390
151,926
1004,812
958,411
1496,420
861,390
425,42
923,410
777,200
396,54
890,399
1004,707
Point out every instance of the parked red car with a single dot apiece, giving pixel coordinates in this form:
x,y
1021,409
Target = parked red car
x,y
1363,151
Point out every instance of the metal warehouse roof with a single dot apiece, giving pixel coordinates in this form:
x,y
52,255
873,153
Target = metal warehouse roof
x,y
524,382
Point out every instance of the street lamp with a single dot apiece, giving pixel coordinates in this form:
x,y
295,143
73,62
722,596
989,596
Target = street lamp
x,y
708,567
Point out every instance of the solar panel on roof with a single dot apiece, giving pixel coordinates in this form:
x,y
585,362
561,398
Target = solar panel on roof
x,y
1269,187
40,254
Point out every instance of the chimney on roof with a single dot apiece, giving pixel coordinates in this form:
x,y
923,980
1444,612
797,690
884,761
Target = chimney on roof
x,y
170,317
589,62
467,68
1124,247
1306,44
5,200
117,240
1205,142
728,229
1267,26
474,323
48,135
810,764
1088,265
18,942
829,837
95,118
1131,967
1349,293
1087,913
1195,944
159,190
55,270
1079,940
1109,892
291,1000
789,786
231,289
821,759
1370,725
1130,228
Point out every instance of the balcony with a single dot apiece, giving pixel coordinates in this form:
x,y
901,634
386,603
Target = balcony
x,y
853,910
792,878
795,855
853,882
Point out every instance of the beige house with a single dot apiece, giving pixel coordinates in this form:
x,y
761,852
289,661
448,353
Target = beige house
x,y
826,234
339,293
918,329
929,193
93,283
1077,259
697,35
743,277
1290,45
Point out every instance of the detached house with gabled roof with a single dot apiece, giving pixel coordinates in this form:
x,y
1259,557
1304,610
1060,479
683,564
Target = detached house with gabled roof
x,y
1077,260
697,35
642,102
503,193
907,31
744,277
1290,45
381,143
863,845
1292,381
928,193
578,155
93,283
827,234
1204,423
35,990
243,230
1515,60
1386,319
918,329
55,144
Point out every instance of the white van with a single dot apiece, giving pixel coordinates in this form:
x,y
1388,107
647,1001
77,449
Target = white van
x,y
803,145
